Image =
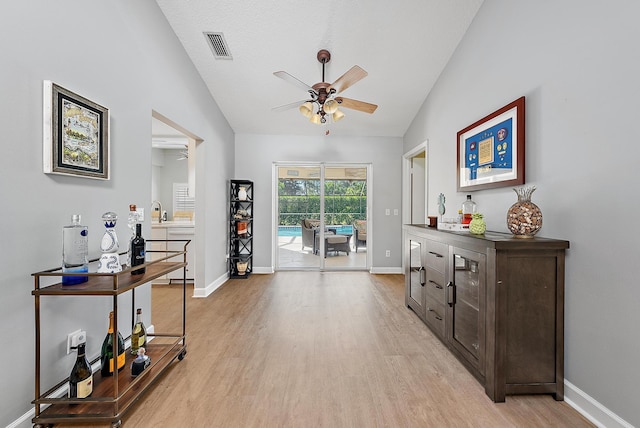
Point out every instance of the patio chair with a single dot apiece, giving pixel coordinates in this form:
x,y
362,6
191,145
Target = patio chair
x,y
308,232
360,233
336,243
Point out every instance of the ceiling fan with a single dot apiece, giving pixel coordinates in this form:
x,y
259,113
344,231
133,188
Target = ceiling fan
x,y
324,97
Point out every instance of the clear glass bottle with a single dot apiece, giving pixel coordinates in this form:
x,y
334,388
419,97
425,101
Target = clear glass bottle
x,y
137,251
468,209
138,334
108,358
81,377
75,251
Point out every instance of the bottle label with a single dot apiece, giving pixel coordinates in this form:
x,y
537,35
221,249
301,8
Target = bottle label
x,y
121,361
85,387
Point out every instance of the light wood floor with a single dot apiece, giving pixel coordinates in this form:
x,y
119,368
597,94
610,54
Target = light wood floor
x,y
311,349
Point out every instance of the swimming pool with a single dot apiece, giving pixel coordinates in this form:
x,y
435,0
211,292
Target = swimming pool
x,y
297,230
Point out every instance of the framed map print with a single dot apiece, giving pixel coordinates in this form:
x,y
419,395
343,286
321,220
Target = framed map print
x,y
76,134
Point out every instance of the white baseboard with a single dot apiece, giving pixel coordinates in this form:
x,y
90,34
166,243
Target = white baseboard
x,y
374,270
591,409
204,292
386,270
263,270
23,421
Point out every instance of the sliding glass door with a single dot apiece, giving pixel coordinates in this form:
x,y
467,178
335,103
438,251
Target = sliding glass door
x,y
321,216
298,202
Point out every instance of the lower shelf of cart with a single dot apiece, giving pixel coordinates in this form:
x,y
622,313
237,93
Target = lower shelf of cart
x,y
103,405
245,276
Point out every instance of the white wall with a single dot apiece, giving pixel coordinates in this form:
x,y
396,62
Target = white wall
x,y
123,55
255,155
577,63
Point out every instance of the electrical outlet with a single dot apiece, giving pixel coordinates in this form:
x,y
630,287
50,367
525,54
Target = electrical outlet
x,y
140,212
387,253
387,211
75,338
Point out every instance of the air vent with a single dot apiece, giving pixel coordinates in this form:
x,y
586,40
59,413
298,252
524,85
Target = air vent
x,y
218,45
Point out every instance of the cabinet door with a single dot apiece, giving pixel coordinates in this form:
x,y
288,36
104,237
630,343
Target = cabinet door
x,y
182,233
465,298
415,281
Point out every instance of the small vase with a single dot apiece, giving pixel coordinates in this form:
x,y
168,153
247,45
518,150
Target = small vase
x,y
477,225
242,267
242,194
524,218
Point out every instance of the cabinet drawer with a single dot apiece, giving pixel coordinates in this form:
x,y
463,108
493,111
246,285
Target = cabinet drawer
x,y
434,316
436,255
435,286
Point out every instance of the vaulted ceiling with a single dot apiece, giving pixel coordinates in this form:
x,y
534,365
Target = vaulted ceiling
x,y
402,44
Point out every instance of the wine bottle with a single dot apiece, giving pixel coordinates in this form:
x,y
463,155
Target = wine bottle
x,y
132,220
75,251
81,377
137,251
138,334
107,353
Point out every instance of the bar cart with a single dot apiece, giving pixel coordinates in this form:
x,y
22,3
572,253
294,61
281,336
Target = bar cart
x,y
111,396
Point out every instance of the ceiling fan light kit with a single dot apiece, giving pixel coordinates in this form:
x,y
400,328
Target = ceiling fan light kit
x,y
324,100
338,115
306,109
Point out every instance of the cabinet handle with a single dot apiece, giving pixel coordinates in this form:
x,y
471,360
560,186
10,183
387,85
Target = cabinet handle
x,y
436,254
423,275
436,316
451,294
436,284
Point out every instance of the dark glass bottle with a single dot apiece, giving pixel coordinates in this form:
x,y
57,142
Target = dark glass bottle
x,y
106,354
81,377
137,251
138,334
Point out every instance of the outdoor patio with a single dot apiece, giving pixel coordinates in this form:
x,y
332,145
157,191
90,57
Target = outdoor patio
x,y
291,256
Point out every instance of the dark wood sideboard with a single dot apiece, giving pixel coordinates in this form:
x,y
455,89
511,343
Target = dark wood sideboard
x,y
496,302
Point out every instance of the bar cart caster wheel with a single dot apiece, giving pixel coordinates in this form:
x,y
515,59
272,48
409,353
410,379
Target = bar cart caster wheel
x,y
182,354
116,424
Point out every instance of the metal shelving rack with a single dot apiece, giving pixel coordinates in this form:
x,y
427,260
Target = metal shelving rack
x,y
240,246
112,396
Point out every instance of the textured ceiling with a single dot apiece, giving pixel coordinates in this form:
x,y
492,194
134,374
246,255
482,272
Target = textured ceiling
x,y
402,44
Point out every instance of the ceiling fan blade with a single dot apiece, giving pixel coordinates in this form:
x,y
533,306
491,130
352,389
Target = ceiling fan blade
x,y
354,75
297,82
289,106
356,105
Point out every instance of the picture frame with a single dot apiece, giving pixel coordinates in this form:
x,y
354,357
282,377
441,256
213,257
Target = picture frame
x,y
75,134
490,152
